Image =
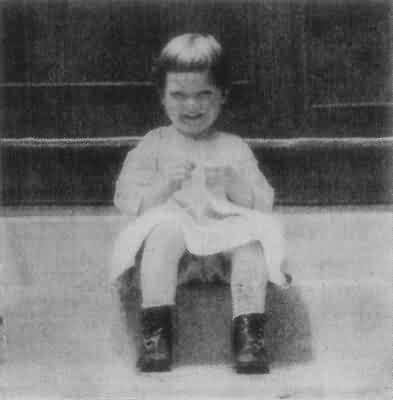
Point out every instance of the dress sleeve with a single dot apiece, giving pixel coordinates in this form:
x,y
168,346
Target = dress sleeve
x,y
249,170
138,175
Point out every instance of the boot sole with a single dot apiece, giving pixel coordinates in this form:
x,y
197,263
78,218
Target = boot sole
x,y
251,369
156,366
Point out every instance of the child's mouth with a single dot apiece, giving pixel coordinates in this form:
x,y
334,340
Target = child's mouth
x,y
193,117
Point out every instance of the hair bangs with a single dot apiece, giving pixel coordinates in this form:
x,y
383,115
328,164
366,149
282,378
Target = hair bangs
x,y
192,52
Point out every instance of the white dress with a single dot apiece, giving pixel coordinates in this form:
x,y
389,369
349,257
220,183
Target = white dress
x,y
210,222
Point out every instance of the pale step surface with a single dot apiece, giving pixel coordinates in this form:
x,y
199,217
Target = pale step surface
x,y
65,339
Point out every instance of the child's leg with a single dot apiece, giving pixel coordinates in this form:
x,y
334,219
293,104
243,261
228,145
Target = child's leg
x,y
159,268
248,279
248,285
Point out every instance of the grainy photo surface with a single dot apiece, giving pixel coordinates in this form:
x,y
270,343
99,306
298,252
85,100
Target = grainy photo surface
x,y
196,199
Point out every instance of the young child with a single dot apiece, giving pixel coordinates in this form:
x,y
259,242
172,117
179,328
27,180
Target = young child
x,y
196,189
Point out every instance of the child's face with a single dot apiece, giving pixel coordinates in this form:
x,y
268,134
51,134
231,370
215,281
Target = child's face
x,y
192,102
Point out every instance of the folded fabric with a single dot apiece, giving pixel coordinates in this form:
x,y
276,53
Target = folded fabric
x,y
210,223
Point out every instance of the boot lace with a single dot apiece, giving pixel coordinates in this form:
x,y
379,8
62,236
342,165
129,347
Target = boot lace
x,y
151,342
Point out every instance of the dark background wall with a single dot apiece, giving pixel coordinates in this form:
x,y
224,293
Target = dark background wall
x,y
312,68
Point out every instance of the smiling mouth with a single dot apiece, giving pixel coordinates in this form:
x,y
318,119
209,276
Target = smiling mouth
x,y
193,117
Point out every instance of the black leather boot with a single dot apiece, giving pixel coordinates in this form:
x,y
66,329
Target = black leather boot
x,y
156,347
249,345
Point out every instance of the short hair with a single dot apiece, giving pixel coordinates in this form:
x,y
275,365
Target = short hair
x,y
193,52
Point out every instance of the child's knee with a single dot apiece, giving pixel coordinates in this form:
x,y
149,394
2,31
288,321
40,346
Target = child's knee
x,y
166,234
251,252
163,247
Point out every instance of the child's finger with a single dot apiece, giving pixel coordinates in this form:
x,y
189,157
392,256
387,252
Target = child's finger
x,y
189,165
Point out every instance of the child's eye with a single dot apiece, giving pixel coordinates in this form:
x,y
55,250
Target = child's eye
x,y
205,95
178,96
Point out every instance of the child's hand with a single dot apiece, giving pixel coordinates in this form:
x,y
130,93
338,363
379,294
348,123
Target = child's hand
x,y
224,175
177,172
236,188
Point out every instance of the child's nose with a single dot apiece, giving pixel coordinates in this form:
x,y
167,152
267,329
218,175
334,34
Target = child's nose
x,y
192,104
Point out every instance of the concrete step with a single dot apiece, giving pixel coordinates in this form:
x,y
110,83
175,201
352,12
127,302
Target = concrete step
x,y
305,322
327,171
328,335
84,350
323,244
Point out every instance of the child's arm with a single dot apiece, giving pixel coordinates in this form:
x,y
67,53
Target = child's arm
x,y
141,185
263,192
166,183
239,189
245,186
251,183
138,186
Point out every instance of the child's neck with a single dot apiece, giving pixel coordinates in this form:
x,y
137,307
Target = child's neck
x,y
206,135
